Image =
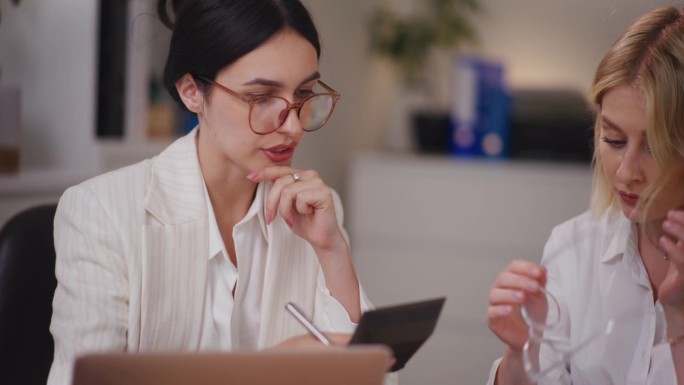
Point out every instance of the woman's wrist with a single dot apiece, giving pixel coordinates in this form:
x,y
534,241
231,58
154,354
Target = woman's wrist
x,y
511,369
337,245
674,333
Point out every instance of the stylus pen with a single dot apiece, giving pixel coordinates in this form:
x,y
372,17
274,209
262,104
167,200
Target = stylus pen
x,y
307,323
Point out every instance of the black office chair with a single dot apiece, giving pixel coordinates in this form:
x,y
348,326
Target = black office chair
x,y
27,284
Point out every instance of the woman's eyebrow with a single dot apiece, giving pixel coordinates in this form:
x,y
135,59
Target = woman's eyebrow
x,y
314,76
608,124
263,82
276,84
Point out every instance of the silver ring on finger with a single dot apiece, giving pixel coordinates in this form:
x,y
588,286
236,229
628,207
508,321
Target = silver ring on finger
x,y
296,177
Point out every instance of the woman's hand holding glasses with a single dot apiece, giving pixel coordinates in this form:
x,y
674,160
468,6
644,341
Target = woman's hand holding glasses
x,y
520,283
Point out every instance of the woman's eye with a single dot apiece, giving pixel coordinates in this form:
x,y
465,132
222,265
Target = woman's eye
x,y
303,93
613,142
257,96
261,99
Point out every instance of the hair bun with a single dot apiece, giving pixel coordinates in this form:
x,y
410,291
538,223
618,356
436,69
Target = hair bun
x,y
163,11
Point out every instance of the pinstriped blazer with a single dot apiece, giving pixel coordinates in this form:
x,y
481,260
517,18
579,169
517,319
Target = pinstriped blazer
x,y
132,250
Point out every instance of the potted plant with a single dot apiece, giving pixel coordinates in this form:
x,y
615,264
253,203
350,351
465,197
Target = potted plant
x,y
432,32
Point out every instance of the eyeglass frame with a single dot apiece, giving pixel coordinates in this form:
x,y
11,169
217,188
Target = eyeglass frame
x,y
290,106
536,336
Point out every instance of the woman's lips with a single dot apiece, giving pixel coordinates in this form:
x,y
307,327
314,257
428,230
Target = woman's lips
x,y
630,199
279,153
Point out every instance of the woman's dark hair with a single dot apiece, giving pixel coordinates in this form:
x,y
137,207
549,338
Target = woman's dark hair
x,y
211,34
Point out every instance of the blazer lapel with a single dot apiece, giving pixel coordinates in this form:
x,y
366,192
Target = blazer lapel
x,y
175,248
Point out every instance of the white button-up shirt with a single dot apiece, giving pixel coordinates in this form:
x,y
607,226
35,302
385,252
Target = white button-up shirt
x,y
232,322
597,275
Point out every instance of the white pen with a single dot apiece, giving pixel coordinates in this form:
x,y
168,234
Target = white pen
x,y
307,323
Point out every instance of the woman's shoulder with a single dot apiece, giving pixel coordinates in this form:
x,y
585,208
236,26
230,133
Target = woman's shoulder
x,y
125,177
135,177
590,224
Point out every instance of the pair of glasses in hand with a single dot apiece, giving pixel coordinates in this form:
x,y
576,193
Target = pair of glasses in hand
x,y
543,316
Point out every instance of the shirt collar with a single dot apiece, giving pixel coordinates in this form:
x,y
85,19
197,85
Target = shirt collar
x,y
623,236
624,248
216,244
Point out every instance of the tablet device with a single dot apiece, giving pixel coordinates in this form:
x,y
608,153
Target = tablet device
x,y
359,365
404,328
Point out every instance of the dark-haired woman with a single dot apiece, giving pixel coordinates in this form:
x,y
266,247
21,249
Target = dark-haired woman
x,y
201,247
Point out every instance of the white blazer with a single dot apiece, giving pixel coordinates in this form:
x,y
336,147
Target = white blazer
x,y
131,266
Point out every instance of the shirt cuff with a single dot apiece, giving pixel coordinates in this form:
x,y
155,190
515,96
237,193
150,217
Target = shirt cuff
x,y
493,371
334,317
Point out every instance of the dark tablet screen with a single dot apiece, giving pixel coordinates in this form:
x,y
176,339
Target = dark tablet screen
x,y
404,328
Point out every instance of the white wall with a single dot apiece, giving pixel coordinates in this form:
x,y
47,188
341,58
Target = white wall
x,y
48,49
542,43
344,66
555,42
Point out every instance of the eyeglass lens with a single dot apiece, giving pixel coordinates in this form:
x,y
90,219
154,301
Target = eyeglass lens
x,y
269,113
542,313
542,316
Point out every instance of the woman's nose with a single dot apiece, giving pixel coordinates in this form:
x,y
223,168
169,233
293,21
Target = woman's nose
x,y
630,170
291,123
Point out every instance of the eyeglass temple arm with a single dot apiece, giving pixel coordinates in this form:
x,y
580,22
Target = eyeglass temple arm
x,y
327,87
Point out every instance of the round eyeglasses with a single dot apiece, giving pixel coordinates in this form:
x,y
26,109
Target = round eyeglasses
x,y
543,317
267,113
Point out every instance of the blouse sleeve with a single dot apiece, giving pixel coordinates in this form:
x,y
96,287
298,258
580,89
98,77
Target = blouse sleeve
x,y
90,305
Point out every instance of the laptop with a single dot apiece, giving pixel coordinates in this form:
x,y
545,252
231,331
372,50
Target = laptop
x,y
358,365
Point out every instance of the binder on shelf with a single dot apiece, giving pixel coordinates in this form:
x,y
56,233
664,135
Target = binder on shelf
x,y
479,113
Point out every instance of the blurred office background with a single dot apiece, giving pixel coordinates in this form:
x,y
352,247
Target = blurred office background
x,y
421,225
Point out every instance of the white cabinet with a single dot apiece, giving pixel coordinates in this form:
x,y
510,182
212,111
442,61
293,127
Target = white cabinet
x,y
427,226
32,188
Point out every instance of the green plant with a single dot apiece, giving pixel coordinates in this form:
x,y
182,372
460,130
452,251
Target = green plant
x,y
407,41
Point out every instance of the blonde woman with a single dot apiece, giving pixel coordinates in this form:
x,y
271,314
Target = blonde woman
x,y
616,271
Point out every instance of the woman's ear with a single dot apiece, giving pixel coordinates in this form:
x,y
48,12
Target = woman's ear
x,y
191,96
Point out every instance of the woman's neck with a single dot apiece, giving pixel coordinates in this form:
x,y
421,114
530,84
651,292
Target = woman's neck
x,y
652,256
230,191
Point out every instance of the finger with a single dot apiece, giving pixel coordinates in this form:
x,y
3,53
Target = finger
x,y
499,311
273,199
271,173
290,195
499,296
299,198
674,251
286,201
312,195
339,338
285,177
674,229
676,216
512,280
527,268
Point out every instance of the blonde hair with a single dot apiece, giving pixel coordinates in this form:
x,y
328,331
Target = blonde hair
x,y
649,56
